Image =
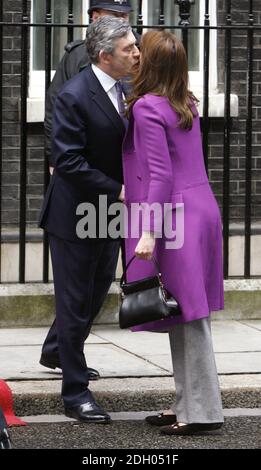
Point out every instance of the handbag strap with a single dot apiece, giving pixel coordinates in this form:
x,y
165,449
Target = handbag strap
x,y
123,277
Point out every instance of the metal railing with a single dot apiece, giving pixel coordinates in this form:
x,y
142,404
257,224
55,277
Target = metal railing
x,y
185,6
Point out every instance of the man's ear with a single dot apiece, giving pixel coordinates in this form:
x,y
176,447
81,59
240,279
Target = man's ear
x,y
95,15
104,58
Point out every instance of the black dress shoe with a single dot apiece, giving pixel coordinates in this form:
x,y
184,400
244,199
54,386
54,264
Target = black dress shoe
x,y
5,441
88,412
161,419
189,429
93,374
53,362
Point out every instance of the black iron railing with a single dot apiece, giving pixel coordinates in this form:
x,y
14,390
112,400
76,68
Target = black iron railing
x,y
1,126
184,24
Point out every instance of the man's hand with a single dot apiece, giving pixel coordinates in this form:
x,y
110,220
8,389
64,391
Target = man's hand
x,y
122,194
144,249
51,168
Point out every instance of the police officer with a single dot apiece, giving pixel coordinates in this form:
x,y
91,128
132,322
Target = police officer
x,y
75,59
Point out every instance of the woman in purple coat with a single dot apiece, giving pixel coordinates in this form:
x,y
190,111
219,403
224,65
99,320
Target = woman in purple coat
x,y
164,168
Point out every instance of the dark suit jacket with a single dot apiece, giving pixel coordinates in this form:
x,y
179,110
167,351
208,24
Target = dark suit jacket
x,y
87,150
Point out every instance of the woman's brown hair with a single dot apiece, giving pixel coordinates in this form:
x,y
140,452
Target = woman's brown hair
x,y
163,71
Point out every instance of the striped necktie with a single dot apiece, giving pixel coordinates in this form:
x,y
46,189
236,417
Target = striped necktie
x,y
119,91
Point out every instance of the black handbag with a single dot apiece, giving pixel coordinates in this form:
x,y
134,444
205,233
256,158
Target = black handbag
x,y
145,300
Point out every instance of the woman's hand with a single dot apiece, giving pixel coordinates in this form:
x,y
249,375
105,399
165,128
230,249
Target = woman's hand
x,y
122,194
144,249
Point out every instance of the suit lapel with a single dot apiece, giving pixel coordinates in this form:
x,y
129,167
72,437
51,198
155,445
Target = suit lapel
x,y
103,101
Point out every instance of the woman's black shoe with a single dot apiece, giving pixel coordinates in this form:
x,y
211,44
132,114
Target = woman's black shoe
x,y
161,419
189,429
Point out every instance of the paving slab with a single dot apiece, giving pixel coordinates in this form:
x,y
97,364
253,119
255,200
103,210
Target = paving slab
x,y
32,336
228,336
111,361
140,343
161,360
235,336
256,324
238,363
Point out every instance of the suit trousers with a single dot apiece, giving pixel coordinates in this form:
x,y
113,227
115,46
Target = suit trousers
x,y
83,273
198,398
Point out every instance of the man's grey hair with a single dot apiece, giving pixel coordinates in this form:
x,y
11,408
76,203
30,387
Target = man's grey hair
x,y
102,35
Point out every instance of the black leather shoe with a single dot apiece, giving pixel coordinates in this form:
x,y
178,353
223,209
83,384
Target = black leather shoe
x,y
161,419
53,362
88,412
5,441
93,374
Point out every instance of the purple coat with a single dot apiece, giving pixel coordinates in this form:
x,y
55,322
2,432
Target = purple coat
x,y
164,163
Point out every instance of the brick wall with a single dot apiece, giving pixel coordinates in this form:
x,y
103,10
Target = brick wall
x,y
11,125
238,136
11,129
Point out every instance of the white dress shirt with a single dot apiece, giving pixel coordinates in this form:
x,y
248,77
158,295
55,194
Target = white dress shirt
x,y
108,84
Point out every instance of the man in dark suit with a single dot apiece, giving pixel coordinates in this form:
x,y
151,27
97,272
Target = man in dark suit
x,y
88,130
74,60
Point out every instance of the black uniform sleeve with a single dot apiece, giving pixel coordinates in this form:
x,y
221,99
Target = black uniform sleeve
x,y
68,148
74,59
60,77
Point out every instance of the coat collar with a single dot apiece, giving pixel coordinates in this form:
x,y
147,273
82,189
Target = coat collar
x,y
103,101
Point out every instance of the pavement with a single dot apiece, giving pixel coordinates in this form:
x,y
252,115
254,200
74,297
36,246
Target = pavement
x,y
135,368
136,380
